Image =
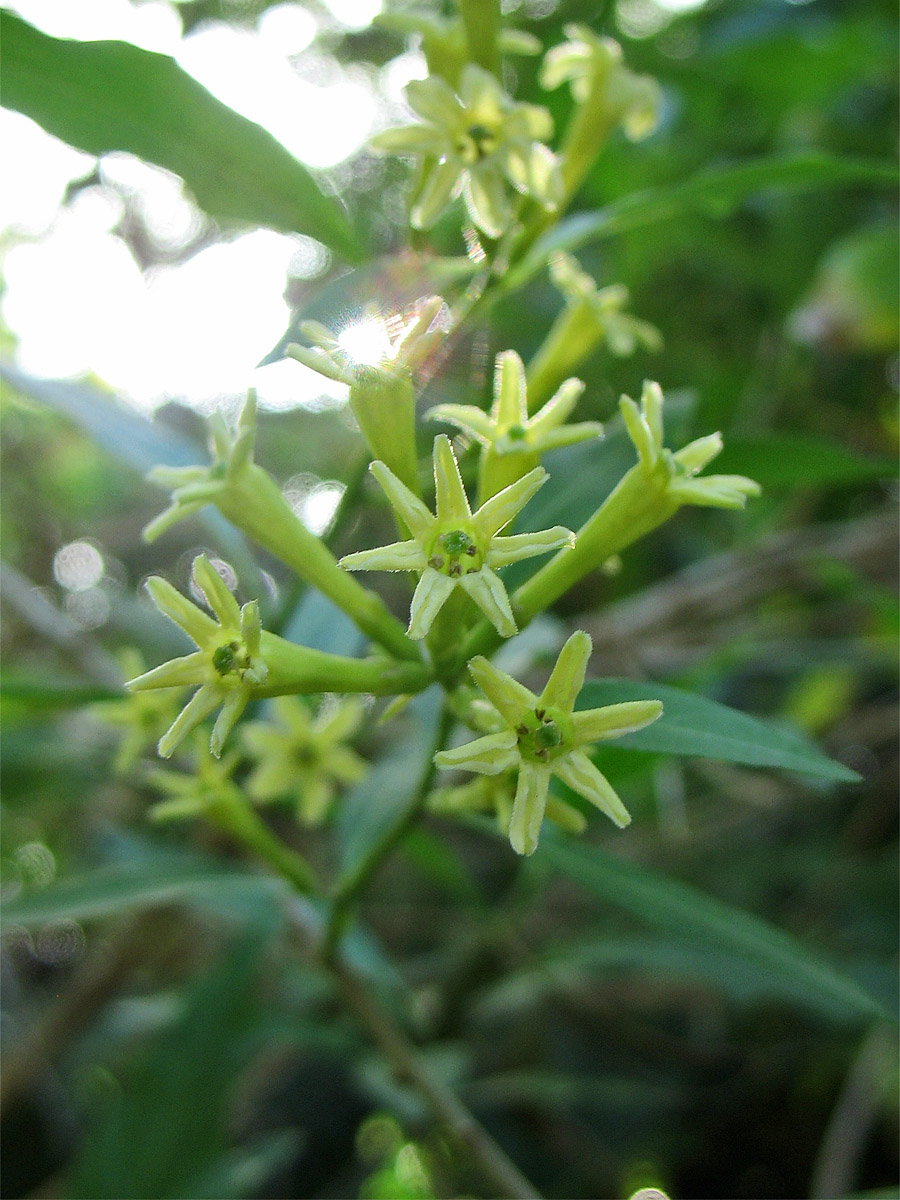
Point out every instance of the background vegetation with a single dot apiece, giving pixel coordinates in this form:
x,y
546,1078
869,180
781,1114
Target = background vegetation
x,y
602,1008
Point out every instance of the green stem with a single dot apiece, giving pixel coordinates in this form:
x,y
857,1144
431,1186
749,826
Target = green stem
x,y
255,505
293,668
358,877
234,816
481,20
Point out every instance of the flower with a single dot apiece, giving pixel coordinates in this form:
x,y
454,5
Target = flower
x,y
141,718
483,141
208,788
302,756
227,664
542,736
679,469
494,793
508,429
456,547
620,330
593,66
444,41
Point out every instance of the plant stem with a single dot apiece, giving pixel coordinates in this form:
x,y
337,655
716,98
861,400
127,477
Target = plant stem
x,y
234,816
358,877
505,1177
481,19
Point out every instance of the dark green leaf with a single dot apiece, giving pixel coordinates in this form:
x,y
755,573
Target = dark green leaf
x,y
700,728
792,460
680,910
103,96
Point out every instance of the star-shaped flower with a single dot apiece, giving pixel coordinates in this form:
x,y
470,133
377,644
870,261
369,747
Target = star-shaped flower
x,y
680,468
304,757
141,718
494,794
456,547
593,66
208,786
508,429
622,332
483,142
544,737
227,664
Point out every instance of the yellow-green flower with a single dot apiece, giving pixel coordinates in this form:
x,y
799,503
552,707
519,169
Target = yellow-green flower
x,y
141,718
494,794
481,142
679,469
455,547
227,663
621,331
508,429
302,756
207,786
543,736
444,41
593,66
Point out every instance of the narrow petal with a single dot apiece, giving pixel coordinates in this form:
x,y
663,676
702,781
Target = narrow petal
x,y
495,514
177,672
506,550
452,501
407,505
214,588
638,431
579,773
177,477
409,139
715,491
572,820
567,677
478,87
234,704
346,765
558,409
465,416
510,698
251,626
652,409
313,802
568,435
440,188
615,720
320,336
428,599
696,455
434,100
171,516
488,755
486,200
196,710
510,404
534,169
528,808
182,612
317,360
398,556
489,593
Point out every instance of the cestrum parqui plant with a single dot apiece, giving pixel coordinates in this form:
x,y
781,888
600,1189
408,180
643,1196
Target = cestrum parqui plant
x,y
227,663
513,442
481,143
542,736
454,547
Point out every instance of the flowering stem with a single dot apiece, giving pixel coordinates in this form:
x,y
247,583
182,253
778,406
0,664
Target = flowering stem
x,y
236,818
350,886
481,19
255,505
293,668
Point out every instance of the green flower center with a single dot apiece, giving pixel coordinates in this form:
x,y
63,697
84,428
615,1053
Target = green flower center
x,y
542,735
455,552
516,433
231,659
476,144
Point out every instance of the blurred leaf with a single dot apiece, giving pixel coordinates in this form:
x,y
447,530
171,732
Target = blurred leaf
x,y
441,864
717,191
166,1131
793,460
44,695
245,1170
114,96
679,909
701,728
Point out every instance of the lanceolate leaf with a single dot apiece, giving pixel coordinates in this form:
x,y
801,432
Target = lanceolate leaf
x,y
794,460
701,728
103,96
680,910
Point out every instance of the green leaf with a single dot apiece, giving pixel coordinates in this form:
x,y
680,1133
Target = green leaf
x,y
794,460
716,191
697,727
166,1130
682,911
45,695
103,96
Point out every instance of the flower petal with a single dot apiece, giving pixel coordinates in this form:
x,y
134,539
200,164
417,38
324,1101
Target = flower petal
x,y
408,506
486,199
465,416
715,491
177,672
410,139
696,455
652,410
506,550
579,773
528,808
439,189
639,432
434,100
614,720
452,503
489,593
497,512
319,360
511,699
219,598
198,708
488,755
567,435
557,409
234,704
197,624
510,404
567,677
428,599
398,556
